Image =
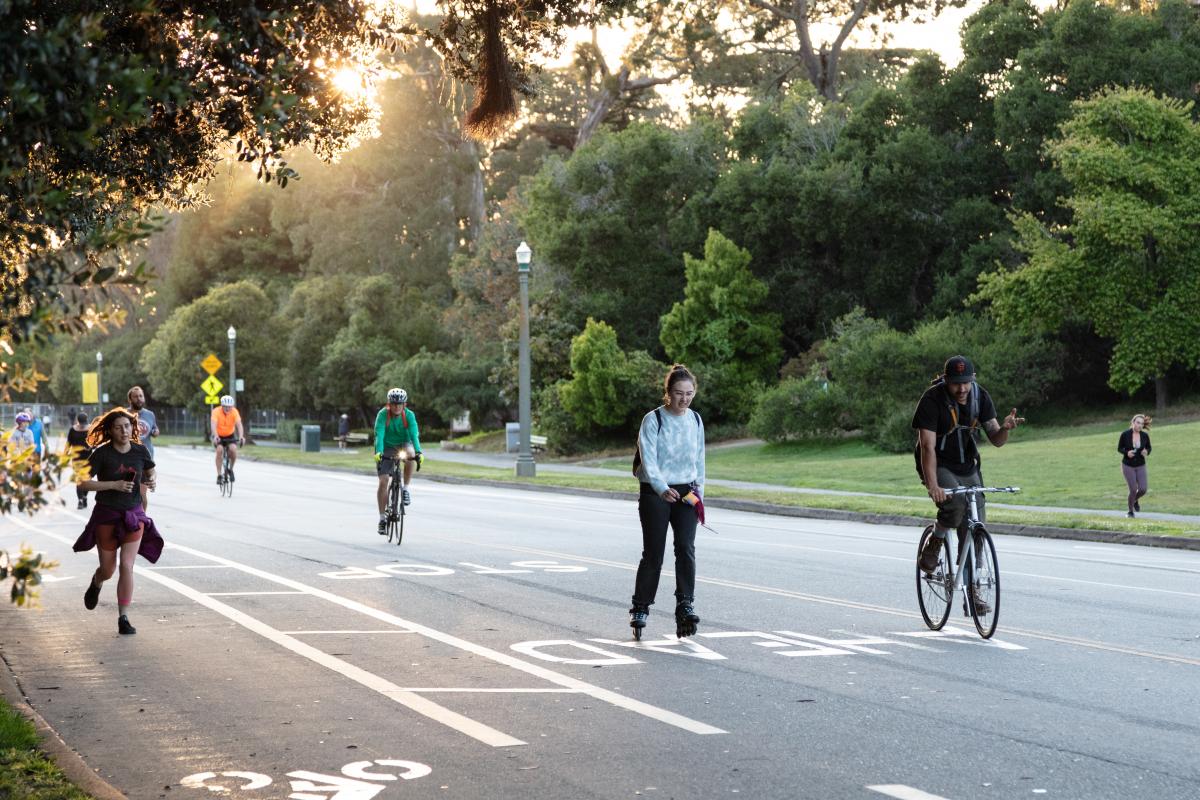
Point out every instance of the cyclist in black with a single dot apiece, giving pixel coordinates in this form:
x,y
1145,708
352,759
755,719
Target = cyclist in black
x,y
948,418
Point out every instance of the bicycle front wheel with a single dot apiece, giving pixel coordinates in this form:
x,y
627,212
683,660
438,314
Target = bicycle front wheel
x,y
393,513
983,576
400,525
934,589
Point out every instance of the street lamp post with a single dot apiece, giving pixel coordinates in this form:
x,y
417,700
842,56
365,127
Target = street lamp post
x,y
99,383
232,334
526,468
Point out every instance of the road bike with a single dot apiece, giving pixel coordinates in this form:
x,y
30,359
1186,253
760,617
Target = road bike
x,y
395,510
977,573
226,473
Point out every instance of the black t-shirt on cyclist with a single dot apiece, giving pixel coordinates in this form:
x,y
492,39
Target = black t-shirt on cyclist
x,y
107,464
934,414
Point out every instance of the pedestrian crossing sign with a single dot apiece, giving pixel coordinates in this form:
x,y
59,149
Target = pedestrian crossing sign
x,y
212,400
211,385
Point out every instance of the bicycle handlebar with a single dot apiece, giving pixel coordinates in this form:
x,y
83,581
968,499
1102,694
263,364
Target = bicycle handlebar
x,y
981,489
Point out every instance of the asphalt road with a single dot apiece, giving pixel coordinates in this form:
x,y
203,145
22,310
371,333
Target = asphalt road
x,y
284,650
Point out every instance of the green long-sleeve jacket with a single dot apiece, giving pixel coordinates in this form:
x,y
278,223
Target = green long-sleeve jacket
x,y
397,431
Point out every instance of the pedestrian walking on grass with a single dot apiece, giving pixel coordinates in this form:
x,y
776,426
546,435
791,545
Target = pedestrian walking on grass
x,y
119,466
670,467
1134,446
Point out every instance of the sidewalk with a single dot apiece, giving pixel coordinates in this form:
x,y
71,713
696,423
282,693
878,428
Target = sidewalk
x,y
506,461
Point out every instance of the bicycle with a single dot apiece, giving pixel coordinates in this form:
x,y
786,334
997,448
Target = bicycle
x,y
226,474
981,587
395,510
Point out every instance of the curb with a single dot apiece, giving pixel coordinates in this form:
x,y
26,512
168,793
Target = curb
x,y
758,507
71,763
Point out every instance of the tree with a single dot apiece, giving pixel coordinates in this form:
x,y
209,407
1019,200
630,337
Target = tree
x,y
611,220
787,30
442,385
609,388
721,327
1128,261
172,358
109,109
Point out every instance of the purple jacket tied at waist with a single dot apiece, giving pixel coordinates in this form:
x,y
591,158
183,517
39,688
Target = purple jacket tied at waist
x,y
126,521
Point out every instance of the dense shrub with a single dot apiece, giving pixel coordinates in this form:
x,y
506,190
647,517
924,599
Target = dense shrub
x,y
444,385
799,408
884,371
609,389
288,430
894,434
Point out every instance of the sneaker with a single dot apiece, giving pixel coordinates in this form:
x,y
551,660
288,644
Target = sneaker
x,y
82,503
220,481
383,524
123,626
928,560
230,473
1137,506
1129,514
91,596
982,606
406,497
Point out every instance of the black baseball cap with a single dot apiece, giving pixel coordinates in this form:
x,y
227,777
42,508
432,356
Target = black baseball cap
x,y
958,370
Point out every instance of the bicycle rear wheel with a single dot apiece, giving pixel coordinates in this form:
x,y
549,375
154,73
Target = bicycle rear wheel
x,y
983,578
934,589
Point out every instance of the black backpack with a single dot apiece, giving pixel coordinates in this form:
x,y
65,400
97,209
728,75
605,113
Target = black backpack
x,y
971,428
637,448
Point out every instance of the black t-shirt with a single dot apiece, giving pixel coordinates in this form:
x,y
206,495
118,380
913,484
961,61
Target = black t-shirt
x,y
107,464
934,414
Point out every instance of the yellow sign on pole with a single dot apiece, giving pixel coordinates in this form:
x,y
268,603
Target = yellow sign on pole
x,y
211,385
211,363
212,399
91,388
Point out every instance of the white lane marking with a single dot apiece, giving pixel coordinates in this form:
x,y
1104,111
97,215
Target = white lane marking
x,y
414,702
566,681
961,636
186,566
244,594
313,633
902,792
535,690
812,598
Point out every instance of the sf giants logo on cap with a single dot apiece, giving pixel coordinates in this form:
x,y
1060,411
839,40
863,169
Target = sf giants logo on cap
x,y
960,367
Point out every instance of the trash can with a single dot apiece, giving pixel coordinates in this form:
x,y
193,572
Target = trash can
x,y
310,438
512,436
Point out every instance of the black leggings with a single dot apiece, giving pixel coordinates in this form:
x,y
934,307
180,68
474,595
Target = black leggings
x,y
655,514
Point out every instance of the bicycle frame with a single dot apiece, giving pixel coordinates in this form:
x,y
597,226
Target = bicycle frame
x,y
968,552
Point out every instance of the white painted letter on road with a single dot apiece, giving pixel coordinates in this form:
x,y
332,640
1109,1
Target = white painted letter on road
x,y
608,658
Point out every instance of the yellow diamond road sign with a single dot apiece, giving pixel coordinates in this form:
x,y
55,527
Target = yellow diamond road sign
x,y
212,400
211,385
211,363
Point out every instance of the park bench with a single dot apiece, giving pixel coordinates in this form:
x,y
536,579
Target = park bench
x,y
537,442
354,438
261,432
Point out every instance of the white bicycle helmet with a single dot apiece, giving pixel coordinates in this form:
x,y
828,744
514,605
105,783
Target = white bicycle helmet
x,y
227,401
397,395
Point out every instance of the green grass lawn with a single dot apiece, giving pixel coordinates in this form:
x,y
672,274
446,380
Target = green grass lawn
x,y
25,772
1076,469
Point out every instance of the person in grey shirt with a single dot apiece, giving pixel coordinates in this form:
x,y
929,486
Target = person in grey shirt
x,y
670,468
147,422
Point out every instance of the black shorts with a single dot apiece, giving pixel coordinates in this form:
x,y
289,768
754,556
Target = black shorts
x,y
384,465
224,440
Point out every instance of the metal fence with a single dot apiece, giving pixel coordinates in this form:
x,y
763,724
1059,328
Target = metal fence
x,y
171,421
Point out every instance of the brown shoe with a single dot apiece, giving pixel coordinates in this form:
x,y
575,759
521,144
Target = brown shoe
x,y
928,560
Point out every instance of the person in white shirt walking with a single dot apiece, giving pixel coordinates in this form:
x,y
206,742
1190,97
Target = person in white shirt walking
x,y
670,468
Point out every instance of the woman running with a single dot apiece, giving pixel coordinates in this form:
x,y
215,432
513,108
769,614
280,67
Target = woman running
x,y
119,466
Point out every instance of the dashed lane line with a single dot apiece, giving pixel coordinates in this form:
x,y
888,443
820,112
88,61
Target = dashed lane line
x,y
902,792
834,601
409,699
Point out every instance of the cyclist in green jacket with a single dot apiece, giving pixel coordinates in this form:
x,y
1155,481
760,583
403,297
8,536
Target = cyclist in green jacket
x,y
395,429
